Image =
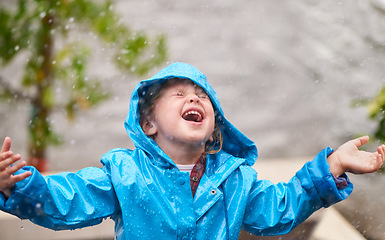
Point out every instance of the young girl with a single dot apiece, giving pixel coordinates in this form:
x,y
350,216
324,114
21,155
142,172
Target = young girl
x,y
189,177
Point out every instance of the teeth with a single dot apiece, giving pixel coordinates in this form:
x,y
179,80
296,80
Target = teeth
x,y
193,112
192,116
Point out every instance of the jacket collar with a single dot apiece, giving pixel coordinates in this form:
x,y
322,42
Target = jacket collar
x,y
218,169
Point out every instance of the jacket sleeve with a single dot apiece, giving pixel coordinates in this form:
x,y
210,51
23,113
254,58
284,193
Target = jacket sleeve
x,y
63,201
274,209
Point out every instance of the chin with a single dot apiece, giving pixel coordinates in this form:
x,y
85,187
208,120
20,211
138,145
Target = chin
x,y
198,140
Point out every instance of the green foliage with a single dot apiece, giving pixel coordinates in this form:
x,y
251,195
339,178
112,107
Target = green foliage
x,y
376,109
33,27
377,112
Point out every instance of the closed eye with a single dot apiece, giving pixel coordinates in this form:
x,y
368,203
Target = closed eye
x,y
203,95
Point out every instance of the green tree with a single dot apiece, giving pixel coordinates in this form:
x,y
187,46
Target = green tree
x,y
41,30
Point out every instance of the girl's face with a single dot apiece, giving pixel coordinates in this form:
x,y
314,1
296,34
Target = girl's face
x,y
182,116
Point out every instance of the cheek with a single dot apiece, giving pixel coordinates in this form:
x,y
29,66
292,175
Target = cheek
x,y
212,120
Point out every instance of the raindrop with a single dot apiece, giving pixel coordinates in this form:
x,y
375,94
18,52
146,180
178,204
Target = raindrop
x,y
124,51
42,15
72,19
17,48
22,227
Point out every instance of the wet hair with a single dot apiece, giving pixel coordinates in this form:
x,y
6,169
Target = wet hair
x,y
215,146
147,99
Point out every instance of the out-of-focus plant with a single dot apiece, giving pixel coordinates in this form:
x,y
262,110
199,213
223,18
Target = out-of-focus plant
x,y
54,37
376,108
377,112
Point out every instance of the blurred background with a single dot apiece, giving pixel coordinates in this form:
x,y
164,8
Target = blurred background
x,y
294,77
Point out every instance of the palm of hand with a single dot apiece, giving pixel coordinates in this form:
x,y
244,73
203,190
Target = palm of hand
x,y
353,160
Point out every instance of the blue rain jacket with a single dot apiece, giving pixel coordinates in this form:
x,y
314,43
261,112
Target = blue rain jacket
x,y
147,196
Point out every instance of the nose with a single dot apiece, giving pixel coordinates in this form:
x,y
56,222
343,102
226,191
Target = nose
x,y
193,98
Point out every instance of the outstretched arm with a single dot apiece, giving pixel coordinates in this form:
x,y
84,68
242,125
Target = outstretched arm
x,y
347,158
55,201
7,170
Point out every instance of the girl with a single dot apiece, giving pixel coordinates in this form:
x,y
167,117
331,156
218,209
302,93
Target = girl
x,y
189,177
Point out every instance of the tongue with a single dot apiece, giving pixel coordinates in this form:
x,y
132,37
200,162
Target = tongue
x,y
192,117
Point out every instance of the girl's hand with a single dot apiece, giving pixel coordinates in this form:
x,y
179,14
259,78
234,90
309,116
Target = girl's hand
x,y
7,158
347,158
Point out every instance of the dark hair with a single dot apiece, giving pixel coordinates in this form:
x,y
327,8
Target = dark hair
x,y
147,100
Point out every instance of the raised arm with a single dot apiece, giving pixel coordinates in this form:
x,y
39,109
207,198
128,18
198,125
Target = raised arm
x,y
7,169
347,158
61,201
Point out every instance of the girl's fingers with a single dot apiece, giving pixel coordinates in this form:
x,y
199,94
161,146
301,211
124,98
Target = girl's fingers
x,y
360,141
381,151
5,155
6,145
3,160
12,170
8,161
380,156
20,177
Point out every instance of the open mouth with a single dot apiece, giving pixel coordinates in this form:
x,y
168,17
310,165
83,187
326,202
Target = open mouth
x,y
193,116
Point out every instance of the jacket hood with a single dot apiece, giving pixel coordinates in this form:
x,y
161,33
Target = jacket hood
x,y
235,142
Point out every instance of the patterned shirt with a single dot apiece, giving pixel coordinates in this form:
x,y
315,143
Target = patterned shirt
x,y
197,173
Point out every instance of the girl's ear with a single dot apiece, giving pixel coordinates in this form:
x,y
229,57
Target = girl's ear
x,y
148,127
